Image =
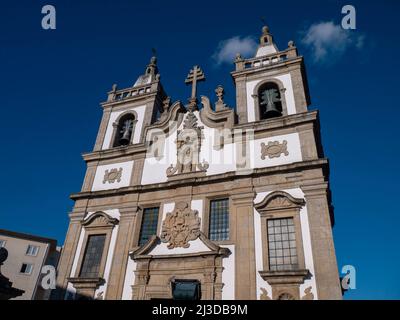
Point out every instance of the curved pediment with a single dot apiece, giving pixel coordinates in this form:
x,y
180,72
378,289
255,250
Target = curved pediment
x,y
99,219
279,200
224,118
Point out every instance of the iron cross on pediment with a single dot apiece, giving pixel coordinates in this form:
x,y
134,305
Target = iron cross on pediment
x,y
195,75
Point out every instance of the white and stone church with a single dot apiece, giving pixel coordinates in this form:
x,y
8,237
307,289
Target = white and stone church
x,y
201,200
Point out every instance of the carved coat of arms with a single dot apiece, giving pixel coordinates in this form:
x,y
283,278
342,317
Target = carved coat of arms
x,y
180,226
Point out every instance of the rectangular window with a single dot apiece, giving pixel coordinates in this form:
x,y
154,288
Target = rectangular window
x,y
32,250
149,224
219,220
93,254
2,243
282,244
26,268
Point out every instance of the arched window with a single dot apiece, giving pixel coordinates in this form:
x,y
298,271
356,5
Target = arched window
x,y
269,100
124,130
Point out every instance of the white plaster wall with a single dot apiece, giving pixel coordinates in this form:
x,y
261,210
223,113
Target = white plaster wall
x,y
220,161
289,96
129,279
154,170
127,168
305,230
140,110
195,246
293,147
228,274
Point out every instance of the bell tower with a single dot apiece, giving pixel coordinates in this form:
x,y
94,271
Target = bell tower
x,y
128,111
271,84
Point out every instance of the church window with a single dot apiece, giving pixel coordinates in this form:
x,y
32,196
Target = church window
x,y
124,130
93,255
149,224
282,244
219,220
270,103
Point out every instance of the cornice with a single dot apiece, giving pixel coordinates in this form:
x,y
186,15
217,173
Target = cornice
x,y
282,64
294,167
258,126
115,152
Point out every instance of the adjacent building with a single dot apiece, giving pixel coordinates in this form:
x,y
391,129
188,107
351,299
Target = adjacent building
x,y
201,200
27,255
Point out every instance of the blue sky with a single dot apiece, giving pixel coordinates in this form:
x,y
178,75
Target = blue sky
x,y
51,84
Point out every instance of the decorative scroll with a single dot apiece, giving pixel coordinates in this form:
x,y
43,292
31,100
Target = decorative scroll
x,y
113,175
264,294
180,226
308,294
274,149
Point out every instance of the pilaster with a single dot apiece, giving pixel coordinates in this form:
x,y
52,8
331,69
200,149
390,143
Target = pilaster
x,y
245,268
325,264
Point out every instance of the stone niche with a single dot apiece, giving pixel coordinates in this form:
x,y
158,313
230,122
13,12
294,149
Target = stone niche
x,y
155,274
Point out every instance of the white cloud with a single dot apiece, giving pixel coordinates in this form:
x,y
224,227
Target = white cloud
x,y
329,41
227,49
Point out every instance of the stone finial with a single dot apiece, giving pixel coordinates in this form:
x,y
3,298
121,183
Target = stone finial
x,y
166,103
265,30
291,44
220,105
112,93
219,91
238,57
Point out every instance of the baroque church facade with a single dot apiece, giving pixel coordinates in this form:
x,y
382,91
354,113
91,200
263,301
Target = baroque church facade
x,y
202,200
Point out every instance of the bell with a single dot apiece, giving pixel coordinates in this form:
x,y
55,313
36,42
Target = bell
x,y
271,111
270,98
126,133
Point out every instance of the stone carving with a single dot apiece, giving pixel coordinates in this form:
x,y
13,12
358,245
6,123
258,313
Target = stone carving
x,y
189,139
308,294
274,149
188,145
286,296
112,175
165,107
100,296
279,202
264,294
180,226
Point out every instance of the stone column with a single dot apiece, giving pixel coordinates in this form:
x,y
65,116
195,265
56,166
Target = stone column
x,y
68,253
325,264
245,277
121,254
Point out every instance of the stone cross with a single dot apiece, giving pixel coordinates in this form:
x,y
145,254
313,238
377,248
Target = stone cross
x,y
195,75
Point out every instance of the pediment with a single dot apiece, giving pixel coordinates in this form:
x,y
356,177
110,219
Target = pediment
x,y
279,200
99,219
155,248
